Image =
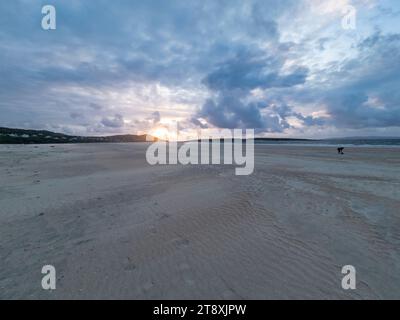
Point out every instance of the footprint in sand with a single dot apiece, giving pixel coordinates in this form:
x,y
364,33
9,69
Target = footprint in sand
x,y
129,265
181,242
164,216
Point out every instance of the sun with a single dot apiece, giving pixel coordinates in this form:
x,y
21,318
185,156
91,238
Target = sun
x,y
160,133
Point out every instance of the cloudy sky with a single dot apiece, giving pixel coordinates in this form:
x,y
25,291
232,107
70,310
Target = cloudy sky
x,y
285,68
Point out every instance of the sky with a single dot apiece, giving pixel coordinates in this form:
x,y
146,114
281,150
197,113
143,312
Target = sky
x,y
286,68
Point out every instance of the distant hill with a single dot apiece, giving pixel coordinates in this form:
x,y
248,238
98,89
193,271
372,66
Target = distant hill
x,y
21,136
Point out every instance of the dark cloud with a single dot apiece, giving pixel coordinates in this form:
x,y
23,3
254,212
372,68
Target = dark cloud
x,y
284,111
233,81
100,47
248,71
116,122
228,111
76,115
103,56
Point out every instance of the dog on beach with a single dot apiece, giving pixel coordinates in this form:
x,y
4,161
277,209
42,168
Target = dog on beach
x,y
340,150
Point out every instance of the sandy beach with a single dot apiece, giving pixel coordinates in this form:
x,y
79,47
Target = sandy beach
x,y
115,227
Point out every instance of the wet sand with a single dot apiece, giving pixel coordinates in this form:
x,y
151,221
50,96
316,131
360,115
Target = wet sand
x,y
115,227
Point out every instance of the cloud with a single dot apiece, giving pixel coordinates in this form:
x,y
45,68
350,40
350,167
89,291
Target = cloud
x,y
248,71
95,106
116,122
233,80
228,63
370,98
155,117
76,115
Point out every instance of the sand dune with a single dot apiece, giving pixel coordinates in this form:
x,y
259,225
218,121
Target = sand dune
x,y
116,227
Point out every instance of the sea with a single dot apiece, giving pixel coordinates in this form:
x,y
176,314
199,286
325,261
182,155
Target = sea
x,y
376,142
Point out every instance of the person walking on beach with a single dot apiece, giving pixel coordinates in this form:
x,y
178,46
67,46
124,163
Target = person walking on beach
x,y
340,150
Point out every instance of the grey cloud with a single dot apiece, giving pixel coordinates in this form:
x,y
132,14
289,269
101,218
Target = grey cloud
x,y
155,117
95,106
116,122
284,111
233,80
226,48
253,70
76,115
370,98
228,111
